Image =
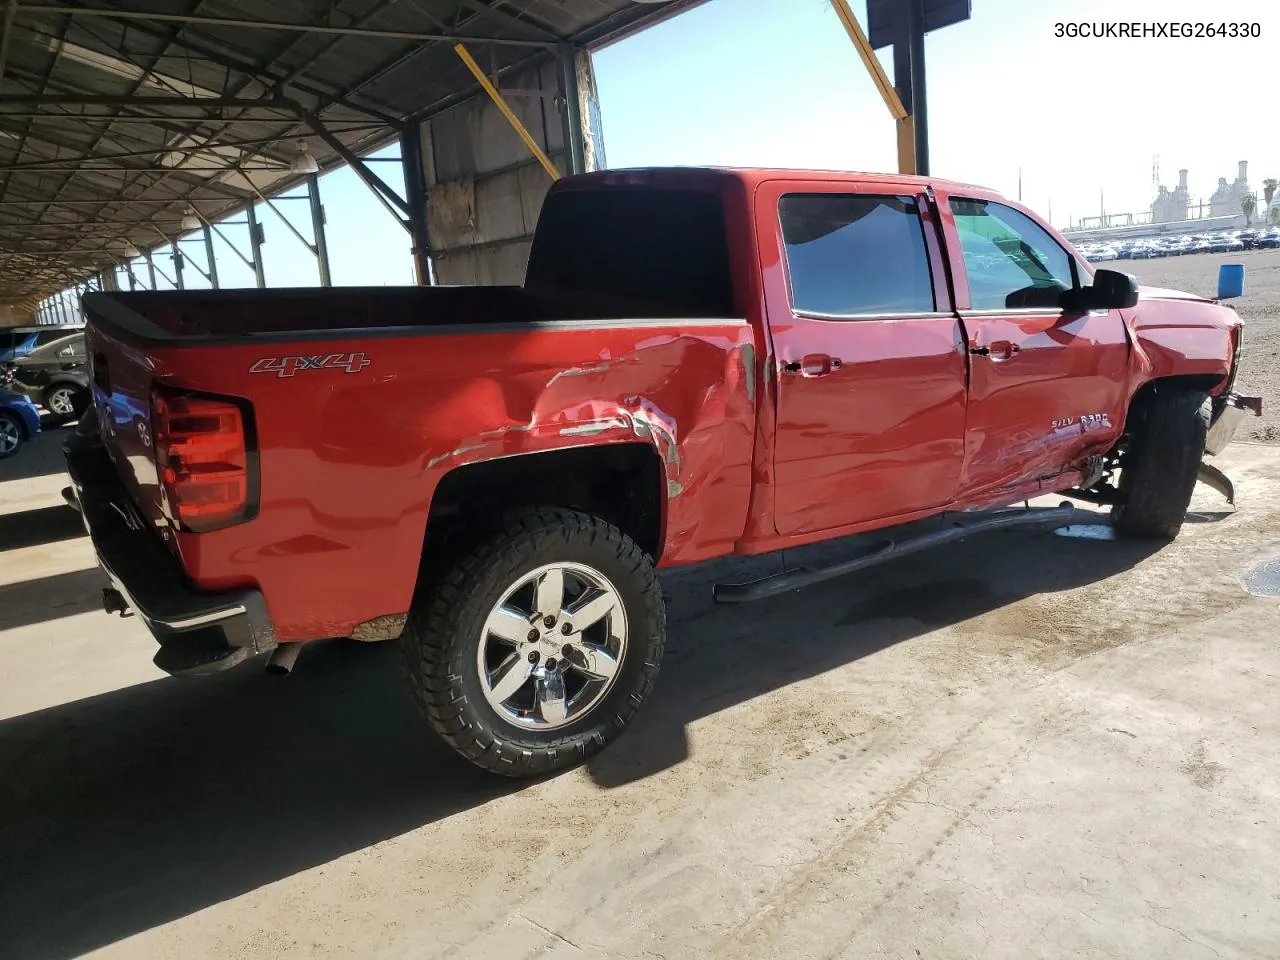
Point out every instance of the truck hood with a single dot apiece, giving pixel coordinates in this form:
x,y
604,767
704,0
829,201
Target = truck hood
x,y
1160,293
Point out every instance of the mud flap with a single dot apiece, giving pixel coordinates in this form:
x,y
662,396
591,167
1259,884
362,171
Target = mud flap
x,y
1213,477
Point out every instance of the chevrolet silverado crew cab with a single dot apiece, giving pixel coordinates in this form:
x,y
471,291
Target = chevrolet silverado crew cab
x,y
699,363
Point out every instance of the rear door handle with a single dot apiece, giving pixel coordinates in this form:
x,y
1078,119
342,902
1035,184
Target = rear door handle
x,y
812,365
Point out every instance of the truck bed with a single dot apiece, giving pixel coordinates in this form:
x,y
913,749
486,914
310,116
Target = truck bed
x,y
212,315
358,403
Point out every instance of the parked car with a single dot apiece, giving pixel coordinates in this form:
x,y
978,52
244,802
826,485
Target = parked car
x,y
56,377
17,342
19,422
700,363
1269,240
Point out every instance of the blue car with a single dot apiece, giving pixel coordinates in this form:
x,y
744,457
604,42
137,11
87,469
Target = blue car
x,y
19,421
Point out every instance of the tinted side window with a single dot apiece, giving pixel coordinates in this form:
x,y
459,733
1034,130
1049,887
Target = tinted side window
x,y
1010,260
851,254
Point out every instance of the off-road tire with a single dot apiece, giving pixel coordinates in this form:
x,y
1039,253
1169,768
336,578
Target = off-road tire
x,y
440,641
1159,469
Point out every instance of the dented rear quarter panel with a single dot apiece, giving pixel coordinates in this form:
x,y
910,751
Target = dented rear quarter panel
x,y
349,461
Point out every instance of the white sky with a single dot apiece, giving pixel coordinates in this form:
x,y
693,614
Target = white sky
x,y
762,82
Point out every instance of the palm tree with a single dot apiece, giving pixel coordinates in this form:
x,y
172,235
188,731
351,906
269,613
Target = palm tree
x,y
1247,206
1269,191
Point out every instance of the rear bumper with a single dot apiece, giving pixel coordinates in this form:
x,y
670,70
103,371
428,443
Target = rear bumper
x,y
199,633
1225,419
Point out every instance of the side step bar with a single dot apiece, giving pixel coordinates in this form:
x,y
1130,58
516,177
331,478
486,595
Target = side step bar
x,y
788,580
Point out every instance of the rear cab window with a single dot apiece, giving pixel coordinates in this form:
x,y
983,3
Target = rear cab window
x,y
856,256
659,246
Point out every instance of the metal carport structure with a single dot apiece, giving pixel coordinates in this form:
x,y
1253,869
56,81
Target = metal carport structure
x,y
125,126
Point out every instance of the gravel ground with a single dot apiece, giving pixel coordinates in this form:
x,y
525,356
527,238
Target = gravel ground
x,y
1260,307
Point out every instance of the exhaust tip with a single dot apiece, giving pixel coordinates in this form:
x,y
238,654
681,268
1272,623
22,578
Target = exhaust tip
x,y
282,659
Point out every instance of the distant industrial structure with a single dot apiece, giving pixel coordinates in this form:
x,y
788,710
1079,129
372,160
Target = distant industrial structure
x,y
1170,205
1227,198
1172,210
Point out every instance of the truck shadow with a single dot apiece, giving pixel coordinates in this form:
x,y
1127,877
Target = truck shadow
x,y
128,810
758,647
40,457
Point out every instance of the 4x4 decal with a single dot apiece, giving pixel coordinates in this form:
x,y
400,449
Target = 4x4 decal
x,y
288,366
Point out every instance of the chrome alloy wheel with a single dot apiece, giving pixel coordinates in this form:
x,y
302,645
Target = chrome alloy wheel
x,y
551,648
62,402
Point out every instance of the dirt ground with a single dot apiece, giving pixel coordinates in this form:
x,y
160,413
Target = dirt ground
x,y
1021,746
1259,307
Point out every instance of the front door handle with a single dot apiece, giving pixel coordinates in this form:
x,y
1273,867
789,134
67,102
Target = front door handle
x,y
997,350
812,365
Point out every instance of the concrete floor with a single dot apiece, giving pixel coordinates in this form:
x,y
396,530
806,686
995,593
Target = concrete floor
x,y
1021,746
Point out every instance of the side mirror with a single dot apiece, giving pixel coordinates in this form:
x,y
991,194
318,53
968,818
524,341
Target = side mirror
x,y
1230,281
1110,290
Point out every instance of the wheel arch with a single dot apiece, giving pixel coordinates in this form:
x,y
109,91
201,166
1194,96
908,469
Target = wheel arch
x,y
621,483
1206,382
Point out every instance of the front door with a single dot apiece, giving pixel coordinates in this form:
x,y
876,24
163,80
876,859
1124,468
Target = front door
x,y
1046,387
869,356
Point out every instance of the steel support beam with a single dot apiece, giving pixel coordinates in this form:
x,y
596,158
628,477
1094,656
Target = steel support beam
x,y
506,111
255,245
279,25
213,144
536,31
901,116
199,103
415,182
321,247
6,34
234,249
571,109
209,254
919,99
371,179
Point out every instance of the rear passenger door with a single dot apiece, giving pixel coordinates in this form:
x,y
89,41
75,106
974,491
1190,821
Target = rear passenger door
x,y
1046,387
868,354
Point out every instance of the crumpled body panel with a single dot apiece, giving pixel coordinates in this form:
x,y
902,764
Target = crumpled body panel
x,y
349,461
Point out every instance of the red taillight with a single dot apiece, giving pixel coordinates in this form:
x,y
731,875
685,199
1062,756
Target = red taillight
x,y
202,456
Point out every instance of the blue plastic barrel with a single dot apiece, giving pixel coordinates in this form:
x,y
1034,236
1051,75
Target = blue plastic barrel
x,y
1230,281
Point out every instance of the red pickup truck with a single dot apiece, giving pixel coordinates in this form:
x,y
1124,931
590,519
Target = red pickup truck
x,y
700,363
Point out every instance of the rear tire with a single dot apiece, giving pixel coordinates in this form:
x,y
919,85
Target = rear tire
x,y
536,646
1159,469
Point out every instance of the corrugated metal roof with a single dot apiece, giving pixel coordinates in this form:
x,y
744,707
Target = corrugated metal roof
x,y
115,116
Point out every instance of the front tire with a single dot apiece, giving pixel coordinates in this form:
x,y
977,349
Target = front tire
x,y
1158,472
538,644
